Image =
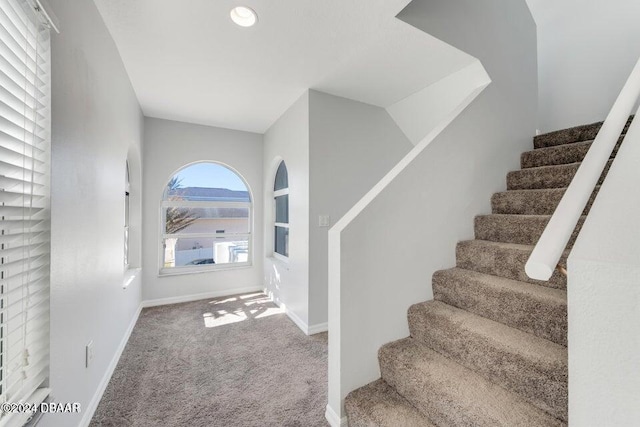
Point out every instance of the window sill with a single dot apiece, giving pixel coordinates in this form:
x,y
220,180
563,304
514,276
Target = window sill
x,y
129,276
181,271
279,257
283,261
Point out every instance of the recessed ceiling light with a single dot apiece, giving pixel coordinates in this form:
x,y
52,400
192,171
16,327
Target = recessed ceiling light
x,y
244,16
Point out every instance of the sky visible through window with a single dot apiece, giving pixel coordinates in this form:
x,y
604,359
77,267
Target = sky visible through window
x,y
210,175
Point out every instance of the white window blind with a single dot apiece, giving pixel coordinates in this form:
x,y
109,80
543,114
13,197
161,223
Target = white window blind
x,y
24,204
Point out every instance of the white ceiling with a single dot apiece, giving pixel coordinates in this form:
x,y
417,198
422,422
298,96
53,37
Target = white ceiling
x,y
187,61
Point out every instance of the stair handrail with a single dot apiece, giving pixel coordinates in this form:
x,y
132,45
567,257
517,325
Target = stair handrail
x,y
549,249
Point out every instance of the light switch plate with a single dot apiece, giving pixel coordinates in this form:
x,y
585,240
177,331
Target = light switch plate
x,y
324,220
88,354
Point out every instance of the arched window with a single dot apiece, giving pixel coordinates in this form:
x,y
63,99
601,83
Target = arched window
x,y
281,217
206,219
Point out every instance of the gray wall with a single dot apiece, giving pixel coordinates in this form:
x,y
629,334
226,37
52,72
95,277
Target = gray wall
x,y
168,147
287,282
410,230
97,122
352,146
587,49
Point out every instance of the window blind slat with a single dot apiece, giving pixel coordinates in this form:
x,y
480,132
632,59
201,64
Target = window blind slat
x,y
19,144
13,37
13,197
34,237
29,224
38,275
22,20
23,64
18,118
32,262
28,81
18,262
16,211
36,309
24,202
15,184
22,251
13,171
17,293
16,131
15,285
21,92
17,104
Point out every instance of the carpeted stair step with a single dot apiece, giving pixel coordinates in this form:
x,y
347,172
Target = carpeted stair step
x,y
546,177
533,367
532,202
450,394
530,308
571,135
559,155
379,405
504,260
520,229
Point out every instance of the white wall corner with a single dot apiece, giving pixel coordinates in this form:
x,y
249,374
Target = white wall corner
x,y
333,418
368,198
296,319
421,112
104,382
304,327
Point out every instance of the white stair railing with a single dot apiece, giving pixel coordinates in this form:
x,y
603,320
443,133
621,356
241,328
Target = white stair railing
x,y
554,239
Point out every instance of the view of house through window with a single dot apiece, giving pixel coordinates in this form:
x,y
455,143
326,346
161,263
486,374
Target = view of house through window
x,y
281,196
206,212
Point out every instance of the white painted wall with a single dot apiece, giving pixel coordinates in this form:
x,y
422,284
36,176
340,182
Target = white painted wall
x,y
288,282
604,301
97,122
430,204
419,114
352,146
587,49
168,147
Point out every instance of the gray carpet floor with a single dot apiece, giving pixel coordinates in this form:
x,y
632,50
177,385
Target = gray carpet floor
x,y
231,361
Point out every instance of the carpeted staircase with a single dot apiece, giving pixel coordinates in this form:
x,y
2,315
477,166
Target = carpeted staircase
x,y
490,350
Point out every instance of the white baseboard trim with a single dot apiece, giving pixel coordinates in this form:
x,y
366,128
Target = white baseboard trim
x,y
334,419
95,400
196,297
297,320
308,330
320,327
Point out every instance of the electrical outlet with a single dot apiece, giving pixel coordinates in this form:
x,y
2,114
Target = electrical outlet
x,y
88,354
324,220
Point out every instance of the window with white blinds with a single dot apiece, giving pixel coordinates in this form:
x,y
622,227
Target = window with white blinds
x,y
24,203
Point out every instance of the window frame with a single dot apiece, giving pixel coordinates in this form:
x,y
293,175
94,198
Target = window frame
x,y
279,193
163,235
